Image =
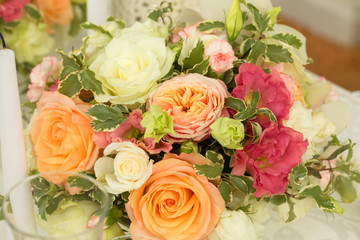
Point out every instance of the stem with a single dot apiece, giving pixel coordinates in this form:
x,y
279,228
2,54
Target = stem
x,y
3,41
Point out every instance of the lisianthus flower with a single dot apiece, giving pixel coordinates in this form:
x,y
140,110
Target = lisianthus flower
x,y
271,159
221,55
62,136
12,10
194,102
175,203
273,91
128,170
131,130
46,71
228,132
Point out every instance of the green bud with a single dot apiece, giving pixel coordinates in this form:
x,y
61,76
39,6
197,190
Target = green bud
x,y
234,20
189,146
157,123
112,232
228,132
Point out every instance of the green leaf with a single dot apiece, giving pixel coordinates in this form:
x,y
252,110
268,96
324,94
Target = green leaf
x,y
80,182
121,24
258,50
201,68
268,113
278,199
228,78
249,113
261,22
323,200
250,27
299,172
54,203
225,191
104,112
114,216
239,184
210,171
69,65
70,86
273,13
98,195
345,188
165,7
291,215
122,108
278,54
108,125
210,25
350,151
288,38
195,56
125,196
236,104
42,205
89,82
246,45
214,157
32,11
97,28
256,130
1,207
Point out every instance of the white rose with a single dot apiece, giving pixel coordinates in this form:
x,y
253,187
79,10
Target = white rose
x,y
234,225
149,27
129,67
127,171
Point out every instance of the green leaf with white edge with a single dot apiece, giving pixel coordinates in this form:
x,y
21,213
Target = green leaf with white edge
x,y
299,172
338,151
261,21
323,200
239,184
246,45
278,199
122,108
108,125
80,182
121,24
337,209
54,203
228,78
210,25
225,191
344,186
236,104
267,112
288,38
195,56
70,86
249,113
201,68
273,13
209,171
255,98
96,28
350,151
256,130
250,27
1,210
32,11
214,157
69,65
89,82
98,196
259,49
291,214
278,54
42,205
104,112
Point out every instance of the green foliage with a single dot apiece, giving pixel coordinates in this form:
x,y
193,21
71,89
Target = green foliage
x,y
96,28
79,13
258,50
260,21
195,56
32,12
323,200
161,12
288,38
70,86
211,172
278,54
200,68
242,183
80,182
344,186
105,118
236,104
225,191
89,82
210,25
278,199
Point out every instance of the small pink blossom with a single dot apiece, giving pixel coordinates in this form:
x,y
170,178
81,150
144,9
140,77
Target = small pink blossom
x,y
12,10
94,220
221,55
131,130
271,160
46,72
273,91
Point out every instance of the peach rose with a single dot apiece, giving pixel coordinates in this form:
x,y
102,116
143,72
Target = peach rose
x,y
175,203
194,102
62,136
55,11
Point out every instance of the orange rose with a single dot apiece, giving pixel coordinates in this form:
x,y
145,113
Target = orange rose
x,y
62,136
55,11
175,202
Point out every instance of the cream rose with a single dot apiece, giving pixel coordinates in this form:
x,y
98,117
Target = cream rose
x,y
234,225
127,171
129,67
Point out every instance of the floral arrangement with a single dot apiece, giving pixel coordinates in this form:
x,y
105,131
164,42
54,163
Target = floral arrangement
x,y
30,26
196,131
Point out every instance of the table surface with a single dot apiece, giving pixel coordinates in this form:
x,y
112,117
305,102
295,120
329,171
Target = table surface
x,y
316,225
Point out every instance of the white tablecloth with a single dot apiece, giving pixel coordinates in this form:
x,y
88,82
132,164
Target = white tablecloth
x,y
317,225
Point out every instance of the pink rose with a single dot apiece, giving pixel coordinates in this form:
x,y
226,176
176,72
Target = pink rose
x,y
194,102
131,130
271,160
47,71
273,91
12,10
221,55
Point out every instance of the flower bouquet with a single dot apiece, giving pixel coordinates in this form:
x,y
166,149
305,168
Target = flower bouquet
x,y
30,26
196,131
